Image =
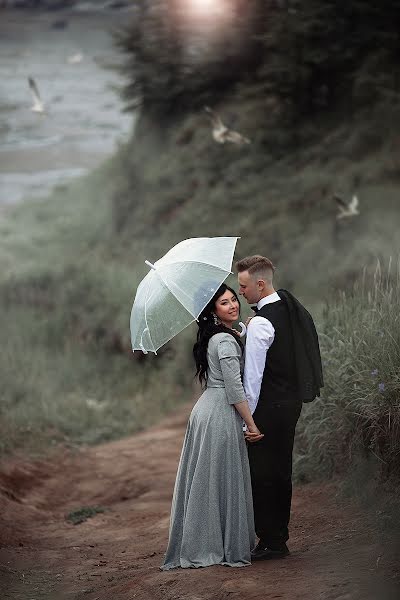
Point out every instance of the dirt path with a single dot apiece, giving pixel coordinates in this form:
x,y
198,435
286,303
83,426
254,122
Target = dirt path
x,y
336,554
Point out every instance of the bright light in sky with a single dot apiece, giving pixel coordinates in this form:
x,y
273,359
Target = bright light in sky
x,y
203,5
206,7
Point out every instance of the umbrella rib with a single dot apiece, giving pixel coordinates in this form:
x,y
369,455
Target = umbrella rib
x,y
199,262
233,252
147,325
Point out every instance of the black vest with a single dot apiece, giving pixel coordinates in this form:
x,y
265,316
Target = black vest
x,y
279,383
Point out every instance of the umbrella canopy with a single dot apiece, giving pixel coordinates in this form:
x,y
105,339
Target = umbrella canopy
x,y
177,288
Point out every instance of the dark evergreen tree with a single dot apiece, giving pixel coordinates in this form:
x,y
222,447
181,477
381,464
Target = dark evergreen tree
x,y
312,54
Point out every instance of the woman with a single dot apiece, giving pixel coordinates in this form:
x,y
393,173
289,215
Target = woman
x,y
212,512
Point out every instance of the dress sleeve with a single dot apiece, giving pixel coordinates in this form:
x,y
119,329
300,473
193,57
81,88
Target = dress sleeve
x,y
229,357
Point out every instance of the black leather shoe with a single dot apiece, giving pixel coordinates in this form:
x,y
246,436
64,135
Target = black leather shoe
x,y
263,552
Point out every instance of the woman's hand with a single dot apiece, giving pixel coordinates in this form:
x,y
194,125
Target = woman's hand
x,y
253,434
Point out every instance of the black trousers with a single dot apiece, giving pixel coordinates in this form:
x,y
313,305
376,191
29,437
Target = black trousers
x,y
271,470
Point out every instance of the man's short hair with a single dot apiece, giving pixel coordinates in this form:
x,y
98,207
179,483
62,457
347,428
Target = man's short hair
x,y
259,265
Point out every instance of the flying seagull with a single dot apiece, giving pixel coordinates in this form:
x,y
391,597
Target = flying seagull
x,y
346,209
37,102
75,59
223,134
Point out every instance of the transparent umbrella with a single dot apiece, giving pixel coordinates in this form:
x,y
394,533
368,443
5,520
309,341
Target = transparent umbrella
x,y
177,288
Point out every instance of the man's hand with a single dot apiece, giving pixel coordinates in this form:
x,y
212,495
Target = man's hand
x,y
253,437
253,434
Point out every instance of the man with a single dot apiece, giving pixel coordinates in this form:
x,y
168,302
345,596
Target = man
x,y
282,370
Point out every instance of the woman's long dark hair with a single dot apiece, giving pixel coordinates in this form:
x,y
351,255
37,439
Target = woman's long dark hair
x,y
208,328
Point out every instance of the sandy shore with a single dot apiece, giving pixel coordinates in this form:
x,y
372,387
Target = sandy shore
x,y
69,54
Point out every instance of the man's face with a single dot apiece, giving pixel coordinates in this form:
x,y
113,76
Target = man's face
x,y
248,287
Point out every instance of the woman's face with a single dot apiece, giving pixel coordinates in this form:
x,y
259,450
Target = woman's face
x,y
227,308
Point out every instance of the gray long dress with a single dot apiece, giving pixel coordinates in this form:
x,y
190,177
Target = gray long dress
x,y
212,518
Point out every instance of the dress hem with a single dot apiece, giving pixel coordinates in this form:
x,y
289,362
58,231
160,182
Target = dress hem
x,y
169,567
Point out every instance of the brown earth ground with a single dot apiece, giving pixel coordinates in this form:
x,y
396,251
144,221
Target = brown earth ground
x,y
336,552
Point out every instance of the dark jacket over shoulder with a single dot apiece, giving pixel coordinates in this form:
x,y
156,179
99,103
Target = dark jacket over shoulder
x,y
306,348
293,369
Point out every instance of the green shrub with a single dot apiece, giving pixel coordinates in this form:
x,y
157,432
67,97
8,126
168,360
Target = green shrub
x,y
82,514
175,63
307,54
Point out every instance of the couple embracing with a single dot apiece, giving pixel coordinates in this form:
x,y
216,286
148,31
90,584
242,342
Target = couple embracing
x,y
234,479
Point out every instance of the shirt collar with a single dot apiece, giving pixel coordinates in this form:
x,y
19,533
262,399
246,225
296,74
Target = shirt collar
x,y
274,297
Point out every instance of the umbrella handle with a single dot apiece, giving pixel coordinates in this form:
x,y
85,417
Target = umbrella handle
x,y
243,329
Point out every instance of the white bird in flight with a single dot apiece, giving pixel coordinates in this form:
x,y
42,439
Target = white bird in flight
x,y
223,134
75,59
346,209
37,101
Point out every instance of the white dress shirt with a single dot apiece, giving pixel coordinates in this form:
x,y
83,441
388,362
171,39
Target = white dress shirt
x,y
260,335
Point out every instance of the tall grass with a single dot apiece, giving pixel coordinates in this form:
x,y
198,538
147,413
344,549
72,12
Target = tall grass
x,y
358,414
58,389
66,367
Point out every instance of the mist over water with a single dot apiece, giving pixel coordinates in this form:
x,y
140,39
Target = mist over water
x,y
70,54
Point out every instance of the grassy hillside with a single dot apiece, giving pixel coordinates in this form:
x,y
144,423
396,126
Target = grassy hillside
x,y
279,201
68,373
70,264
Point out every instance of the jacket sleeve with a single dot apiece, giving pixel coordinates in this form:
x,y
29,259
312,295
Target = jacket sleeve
x,y
229,357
